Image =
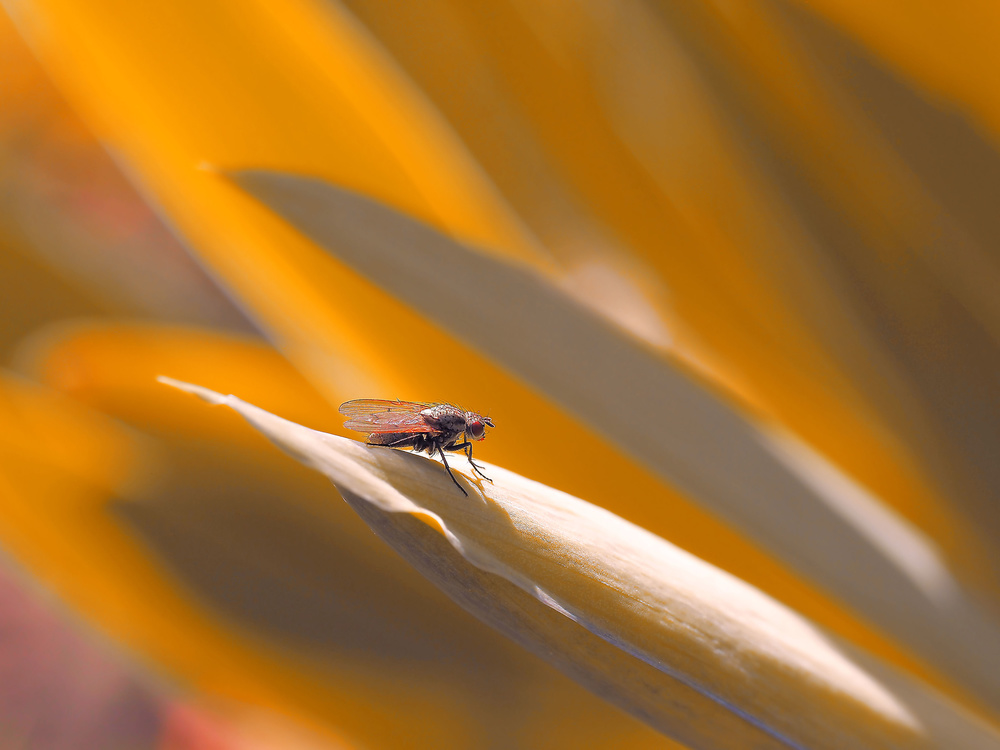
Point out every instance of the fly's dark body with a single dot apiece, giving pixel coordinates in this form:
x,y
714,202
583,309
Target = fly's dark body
x,y
421,427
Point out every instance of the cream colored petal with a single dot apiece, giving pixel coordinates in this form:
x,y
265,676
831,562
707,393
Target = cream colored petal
x,y
658,412
692,650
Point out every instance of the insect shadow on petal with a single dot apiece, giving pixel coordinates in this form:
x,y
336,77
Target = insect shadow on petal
x,y
427,427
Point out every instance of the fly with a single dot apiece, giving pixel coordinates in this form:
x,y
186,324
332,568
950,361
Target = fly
x,y
418,426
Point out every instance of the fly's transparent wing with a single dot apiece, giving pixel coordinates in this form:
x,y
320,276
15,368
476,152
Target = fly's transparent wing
x,y
380,415
362,406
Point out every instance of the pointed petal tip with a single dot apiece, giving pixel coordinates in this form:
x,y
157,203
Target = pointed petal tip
x,y
201,392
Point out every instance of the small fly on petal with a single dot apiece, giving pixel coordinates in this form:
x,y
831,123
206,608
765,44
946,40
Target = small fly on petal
x,y
427,427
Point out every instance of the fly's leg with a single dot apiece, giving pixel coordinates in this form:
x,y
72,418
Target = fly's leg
x,y
467,447
448,469
475,467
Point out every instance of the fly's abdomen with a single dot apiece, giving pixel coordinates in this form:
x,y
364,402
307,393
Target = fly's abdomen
x,y
395,439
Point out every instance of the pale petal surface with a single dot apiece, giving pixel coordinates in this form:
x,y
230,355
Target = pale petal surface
x,y
692,650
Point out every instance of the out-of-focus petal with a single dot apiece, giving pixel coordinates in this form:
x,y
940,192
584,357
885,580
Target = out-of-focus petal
x,y
902,261
697,653
222,726
948,53
321,96
59,690
110,365
76,236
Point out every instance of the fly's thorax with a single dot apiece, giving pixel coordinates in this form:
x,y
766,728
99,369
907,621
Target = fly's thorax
x,y
445,418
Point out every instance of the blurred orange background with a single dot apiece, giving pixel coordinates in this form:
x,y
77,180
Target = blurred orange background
x,y
790,202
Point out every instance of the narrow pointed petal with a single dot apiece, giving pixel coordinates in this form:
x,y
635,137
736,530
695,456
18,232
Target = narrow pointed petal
x,y
693,651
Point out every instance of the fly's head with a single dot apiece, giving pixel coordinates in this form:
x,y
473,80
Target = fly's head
x,y
476,424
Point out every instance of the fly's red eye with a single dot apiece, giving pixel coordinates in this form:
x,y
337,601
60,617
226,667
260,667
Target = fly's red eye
x,y
476,430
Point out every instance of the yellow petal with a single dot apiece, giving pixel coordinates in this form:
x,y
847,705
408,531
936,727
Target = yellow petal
x,y
697,653
949,53
110,366
917,317
320,96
